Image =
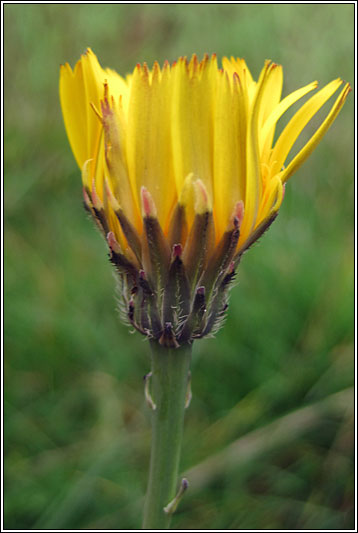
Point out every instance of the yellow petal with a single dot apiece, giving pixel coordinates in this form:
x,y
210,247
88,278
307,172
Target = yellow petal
x,y
316,138
73,104
98,166
272,94
248,85
192,120
188,139
148,140
253,167
94,78
298,122
268,129
271,199
229,148
79,90
118,87
116,160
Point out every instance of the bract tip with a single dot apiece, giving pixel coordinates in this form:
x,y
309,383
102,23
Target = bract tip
x,y
97,202
113,243
177,250
202,202
148,205
239,211
111,198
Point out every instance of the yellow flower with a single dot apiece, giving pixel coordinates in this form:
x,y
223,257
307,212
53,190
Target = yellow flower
x,y
184,155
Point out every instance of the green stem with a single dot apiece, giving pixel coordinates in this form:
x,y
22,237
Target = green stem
x,y
169,382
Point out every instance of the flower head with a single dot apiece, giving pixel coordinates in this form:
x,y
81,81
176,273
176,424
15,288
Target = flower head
x,y
181,173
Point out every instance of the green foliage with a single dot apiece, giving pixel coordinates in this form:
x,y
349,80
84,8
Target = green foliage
x,y
77,429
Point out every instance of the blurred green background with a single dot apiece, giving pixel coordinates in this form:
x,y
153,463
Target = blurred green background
x,y
269,434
